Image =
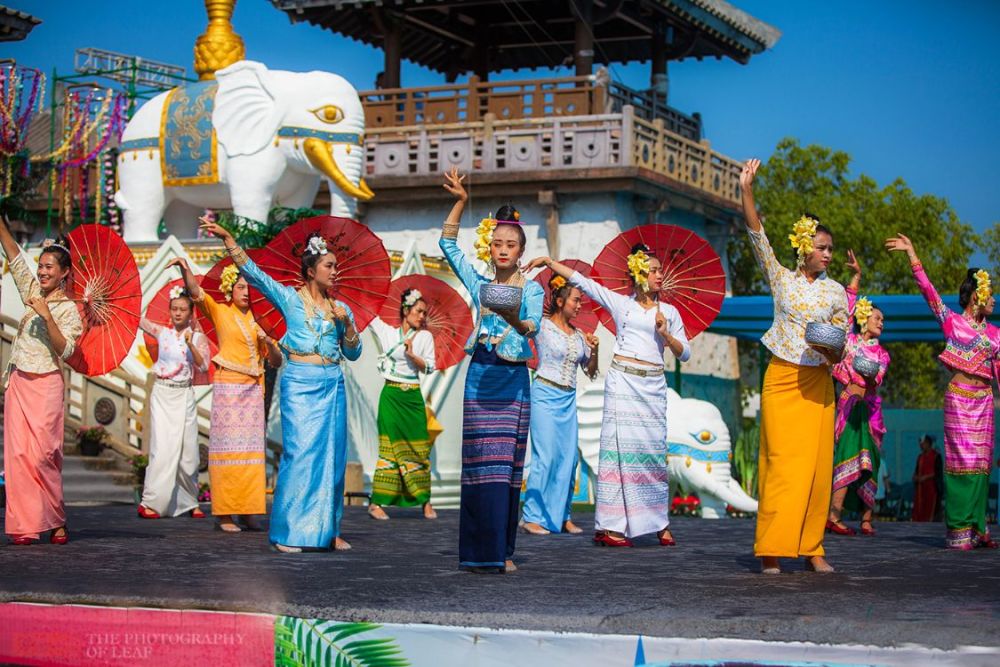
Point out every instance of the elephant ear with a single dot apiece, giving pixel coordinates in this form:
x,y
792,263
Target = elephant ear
x,y
246,115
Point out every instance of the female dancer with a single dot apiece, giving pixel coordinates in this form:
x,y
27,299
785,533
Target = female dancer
x,y
859,427
496,411
171,486
237,439
33,403
971,351
633,493
309,493
403,472
554,427
796,464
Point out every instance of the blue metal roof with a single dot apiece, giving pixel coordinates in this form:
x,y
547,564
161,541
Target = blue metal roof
x,y
907,317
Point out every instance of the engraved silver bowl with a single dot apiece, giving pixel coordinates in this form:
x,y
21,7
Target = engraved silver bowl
x,y
827,336
865,366
499,297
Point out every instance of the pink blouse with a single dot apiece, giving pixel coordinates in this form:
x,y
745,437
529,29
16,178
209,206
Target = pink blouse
x,y
969,347
844,372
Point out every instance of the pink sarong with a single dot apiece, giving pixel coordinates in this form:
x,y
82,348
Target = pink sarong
x,y
876,425
33,453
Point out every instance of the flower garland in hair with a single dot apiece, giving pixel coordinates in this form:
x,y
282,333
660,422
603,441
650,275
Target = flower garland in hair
x,y
317,246
484,238
983,287
862,311
176,292
638,266
227,281
412,298
803,233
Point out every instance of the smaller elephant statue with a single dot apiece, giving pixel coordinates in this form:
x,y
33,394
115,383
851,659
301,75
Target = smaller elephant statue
x,y
249,140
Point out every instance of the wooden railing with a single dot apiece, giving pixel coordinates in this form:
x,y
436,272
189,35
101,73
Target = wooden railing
x,y
518,100
559,142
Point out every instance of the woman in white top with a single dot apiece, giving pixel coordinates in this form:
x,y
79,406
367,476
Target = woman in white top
x,y
633,495
562,348
171,485
34,405
403,472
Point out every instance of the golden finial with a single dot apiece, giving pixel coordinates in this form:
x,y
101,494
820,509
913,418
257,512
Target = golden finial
x,y
219,46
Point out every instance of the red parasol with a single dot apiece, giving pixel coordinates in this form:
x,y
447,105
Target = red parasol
x,y
158,311
105,284
211,282
587,320
448,317
363,269
693,279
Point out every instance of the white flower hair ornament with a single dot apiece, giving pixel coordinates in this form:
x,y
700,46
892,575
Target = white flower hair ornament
x,y
317,246
49,244
412,298
176,292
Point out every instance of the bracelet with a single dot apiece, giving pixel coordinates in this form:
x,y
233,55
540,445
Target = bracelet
x,y
916,266
239,256
450,230
352,340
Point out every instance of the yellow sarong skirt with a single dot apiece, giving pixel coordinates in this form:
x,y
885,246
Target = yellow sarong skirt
x,y
796,459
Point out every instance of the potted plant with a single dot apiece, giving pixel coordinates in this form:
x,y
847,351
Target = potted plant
x,y
139,464
90,440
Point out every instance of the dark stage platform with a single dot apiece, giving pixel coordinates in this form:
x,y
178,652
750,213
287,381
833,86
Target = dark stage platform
x,y
898,588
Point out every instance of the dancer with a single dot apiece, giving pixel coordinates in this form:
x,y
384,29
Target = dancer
x,y
496,410
928,480
35,393
859,427
171,484
796,464
562,348
405,435
237,440
971,353
633,491
309,493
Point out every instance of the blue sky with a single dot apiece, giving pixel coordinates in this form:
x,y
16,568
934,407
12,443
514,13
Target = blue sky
x,y
909,88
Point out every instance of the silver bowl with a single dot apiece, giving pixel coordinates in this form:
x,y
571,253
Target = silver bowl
x,y
865,366
499,297
826,336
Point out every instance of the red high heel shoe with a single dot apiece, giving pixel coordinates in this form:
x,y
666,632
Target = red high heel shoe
x,y
608,540
869,531
832,527
59,539
196,513
146,513
667,541
22,541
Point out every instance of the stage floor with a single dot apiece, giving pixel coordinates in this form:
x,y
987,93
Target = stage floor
x,y
898,588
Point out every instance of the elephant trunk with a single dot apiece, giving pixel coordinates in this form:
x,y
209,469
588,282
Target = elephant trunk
x,y
320,156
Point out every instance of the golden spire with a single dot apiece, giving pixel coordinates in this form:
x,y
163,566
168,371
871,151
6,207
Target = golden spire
x,y
219,46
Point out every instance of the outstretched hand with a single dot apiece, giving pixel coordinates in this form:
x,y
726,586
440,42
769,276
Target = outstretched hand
x,y
179,262
536,263
453,184
750,168
899,243
214,228
852,263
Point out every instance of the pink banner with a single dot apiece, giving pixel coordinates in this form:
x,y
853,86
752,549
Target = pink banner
x,y
82,635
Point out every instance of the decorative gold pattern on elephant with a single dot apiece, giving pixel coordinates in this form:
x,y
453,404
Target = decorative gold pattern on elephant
x,y
219,46
188,148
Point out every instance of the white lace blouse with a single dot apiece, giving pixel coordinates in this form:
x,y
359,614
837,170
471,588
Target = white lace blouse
x,y
393,363
560,354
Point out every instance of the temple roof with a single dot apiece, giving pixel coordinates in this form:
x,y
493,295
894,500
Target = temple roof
x,y
15,25
442,35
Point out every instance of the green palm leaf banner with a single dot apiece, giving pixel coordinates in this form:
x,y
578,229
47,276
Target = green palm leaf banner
x,y
308,642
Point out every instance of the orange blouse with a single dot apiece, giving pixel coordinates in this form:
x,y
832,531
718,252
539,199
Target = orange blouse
x,y
242,349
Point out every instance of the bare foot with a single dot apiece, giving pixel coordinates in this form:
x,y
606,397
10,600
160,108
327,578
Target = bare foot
x,y
570,527
818,564
534,528
429,512
286,549
376,512
227,525
340,544
770,565
509,566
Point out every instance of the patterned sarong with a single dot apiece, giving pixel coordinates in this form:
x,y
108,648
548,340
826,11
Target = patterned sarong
x,y
236,449
857,455
968,457
403,472
554,440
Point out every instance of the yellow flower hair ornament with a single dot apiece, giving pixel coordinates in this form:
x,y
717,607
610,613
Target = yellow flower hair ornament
x,y
227,281
862,311
984,289
557,283
801,238
484,238
638,267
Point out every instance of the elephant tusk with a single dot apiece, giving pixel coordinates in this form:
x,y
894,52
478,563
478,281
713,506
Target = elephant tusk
x,y
320,156
364,188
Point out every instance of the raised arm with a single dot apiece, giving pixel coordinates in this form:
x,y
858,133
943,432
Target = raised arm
x,y
750,168
901,243
855,284
278,294
449,233
610,300
190,281
10,247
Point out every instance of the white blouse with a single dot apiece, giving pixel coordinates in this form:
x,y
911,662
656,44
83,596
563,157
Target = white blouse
x,y
560,353
393,363
637,337
175,361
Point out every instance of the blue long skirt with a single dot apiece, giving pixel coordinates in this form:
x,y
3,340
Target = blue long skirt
x,y
494,439
309,493
554,438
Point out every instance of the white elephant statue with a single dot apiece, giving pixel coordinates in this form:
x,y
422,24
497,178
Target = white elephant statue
x,y
698,448
249,140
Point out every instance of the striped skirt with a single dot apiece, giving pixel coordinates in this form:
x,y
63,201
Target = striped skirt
x,y
968,458
857,457
633,493
236,449
403,472
496,413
